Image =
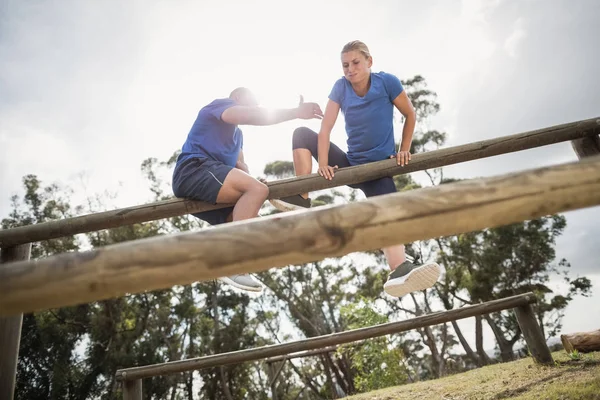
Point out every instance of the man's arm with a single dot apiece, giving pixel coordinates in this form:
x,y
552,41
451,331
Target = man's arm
x,y
255,115
241,164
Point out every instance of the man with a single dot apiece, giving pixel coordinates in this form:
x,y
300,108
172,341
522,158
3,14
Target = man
x,y
211,166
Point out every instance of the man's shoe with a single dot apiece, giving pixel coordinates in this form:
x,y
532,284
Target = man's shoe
x,y
408,277
290,203
243,281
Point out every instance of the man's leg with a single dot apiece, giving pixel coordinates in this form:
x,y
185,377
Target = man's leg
x,y
215,182
246,192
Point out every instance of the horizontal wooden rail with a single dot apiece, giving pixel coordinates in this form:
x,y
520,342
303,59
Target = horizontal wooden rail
x,y
297,237
308,183
326,340
302,354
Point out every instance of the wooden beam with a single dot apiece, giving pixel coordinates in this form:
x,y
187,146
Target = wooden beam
x,y
132,390
318,342
302,354
313,182
583,342
533,335
10,329
587,146
297,237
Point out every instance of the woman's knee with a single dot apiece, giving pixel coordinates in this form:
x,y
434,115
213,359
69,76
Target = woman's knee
x,y
302,138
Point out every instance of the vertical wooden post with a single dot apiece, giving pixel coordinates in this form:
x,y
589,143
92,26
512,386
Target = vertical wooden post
x,y
533,335
132,390
587,146
272,379
10,330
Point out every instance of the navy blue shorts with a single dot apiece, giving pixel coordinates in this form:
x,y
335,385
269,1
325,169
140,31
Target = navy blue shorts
x,y
305,138
201,179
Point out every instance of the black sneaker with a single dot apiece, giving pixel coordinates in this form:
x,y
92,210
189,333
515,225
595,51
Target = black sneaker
x,y
291,203
408,277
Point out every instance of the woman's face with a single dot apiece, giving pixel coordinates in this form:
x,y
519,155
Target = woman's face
x,y
356,66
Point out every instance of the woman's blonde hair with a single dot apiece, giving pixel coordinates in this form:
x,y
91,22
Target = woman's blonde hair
x,y
358,46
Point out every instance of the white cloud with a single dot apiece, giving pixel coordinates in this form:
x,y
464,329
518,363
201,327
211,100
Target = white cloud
x,y
511,44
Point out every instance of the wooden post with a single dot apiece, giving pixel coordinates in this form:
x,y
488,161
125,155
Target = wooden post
x,y
132,390
297,237
308,183
272,380
588,146
533,335
10,330
583,342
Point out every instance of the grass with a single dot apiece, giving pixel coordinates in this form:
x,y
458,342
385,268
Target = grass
x,y
568,379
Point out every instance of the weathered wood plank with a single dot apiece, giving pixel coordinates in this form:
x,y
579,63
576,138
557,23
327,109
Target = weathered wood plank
x,y
318,342
10,329
583,342
533,335
297,237
287,187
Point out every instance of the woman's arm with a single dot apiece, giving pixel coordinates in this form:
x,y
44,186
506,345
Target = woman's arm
x,y
403,104
331,112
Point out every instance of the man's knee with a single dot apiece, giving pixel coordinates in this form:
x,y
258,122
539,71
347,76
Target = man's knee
x,y
260,190
301,137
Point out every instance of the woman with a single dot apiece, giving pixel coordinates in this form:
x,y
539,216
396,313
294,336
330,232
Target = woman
x,y
367,100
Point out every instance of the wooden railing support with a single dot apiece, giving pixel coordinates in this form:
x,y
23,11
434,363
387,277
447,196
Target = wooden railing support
x,y
533,335
10,329
132,390
587,146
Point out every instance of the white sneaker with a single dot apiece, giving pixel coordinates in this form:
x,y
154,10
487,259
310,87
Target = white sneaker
x,y
244,282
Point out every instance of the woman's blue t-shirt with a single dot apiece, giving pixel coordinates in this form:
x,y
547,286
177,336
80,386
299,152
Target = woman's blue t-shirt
x,y
369,119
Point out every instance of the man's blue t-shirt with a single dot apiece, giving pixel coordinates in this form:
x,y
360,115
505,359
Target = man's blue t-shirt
x,y
369,119
211,137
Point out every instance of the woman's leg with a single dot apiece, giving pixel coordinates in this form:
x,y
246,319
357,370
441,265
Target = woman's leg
x,y
405,277
305,148
395,255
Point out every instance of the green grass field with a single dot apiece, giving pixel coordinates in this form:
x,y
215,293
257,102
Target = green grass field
x,y
568,379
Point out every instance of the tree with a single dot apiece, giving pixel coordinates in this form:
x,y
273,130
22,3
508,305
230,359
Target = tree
x,y
74,352
378,362
48,338
508,260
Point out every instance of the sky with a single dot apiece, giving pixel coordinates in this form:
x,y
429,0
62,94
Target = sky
x,y
88,90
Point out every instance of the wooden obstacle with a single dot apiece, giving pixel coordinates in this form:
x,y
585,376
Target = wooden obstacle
x,y
573,131
132,377
149,264
310,235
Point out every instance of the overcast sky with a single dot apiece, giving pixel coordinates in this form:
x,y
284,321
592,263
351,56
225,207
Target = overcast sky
x,y
96,87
